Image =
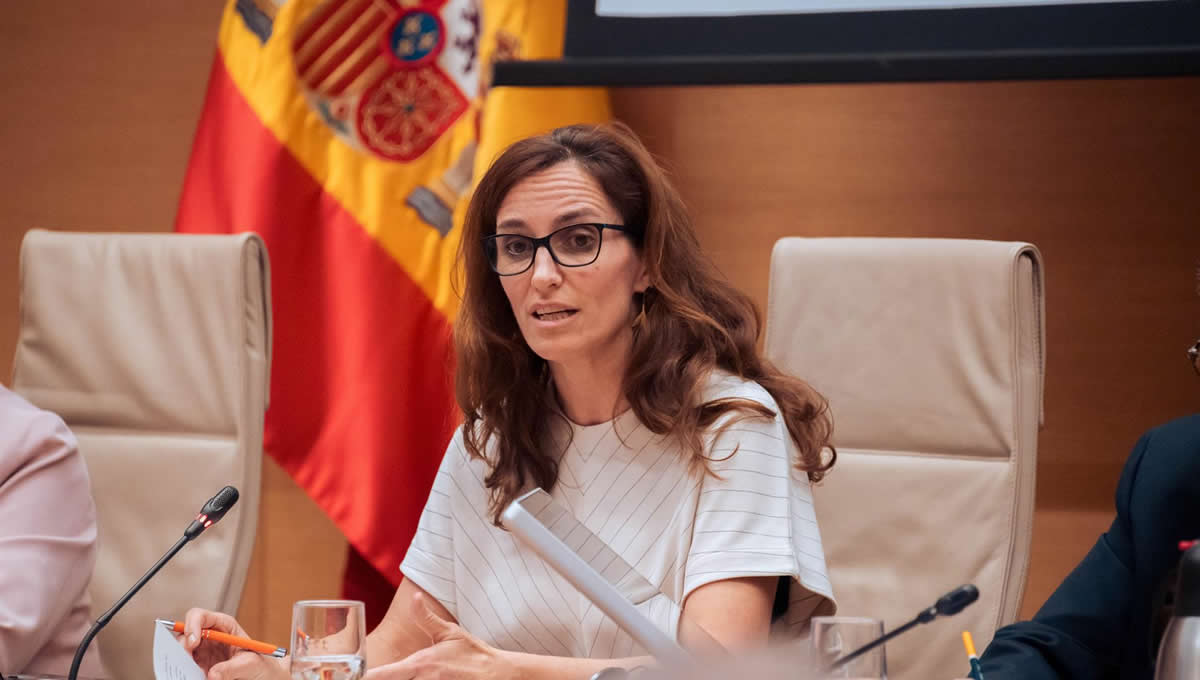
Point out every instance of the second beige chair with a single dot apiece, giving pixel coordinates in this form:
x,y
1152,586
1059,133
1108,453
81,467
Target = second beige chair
x,y
930,352
155,351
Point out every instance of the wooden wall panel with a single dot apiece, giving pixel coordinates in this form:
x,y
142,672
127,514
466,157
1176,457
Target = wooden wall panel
x,y
1101,175
103,98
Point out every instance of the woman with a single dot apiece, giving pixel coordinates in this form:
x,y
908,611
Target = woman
x,y
602,358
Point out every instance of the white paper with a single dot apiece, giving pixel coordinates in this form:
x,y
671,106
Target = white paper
x,y
171,660
700,8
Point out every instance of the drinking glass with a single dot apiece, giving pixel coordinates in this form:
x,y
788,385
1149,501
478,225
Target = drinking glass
x,y
328,640
836,636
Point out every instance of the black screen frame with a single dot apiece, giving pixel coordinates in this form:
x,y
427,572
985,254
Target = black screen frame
x,y
1093,40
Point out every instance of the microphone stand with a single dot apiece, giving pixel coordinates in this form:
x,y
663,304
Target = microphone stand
x,y
107,616
924,617
211,513
947,605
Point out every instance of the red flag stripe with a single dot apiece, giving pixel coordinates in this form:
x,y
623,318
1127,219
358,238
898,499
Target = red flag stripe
x,y
314,21
350,72
324,35
360,379
360,45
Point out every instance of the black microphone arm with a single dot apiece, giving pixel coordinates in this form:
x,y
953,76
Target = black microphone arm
x,y
213,510
949,604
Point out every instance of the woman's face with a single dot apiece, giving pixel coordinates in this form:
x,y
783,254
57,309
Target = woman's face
x,y
571,314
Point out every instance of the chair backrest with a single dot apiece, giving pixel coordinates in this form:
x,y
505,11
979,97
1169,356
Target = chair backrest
x,y
930,352
154,348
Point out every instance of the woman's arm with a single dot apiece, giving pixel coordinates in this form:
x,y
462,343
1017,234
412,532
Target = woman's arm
x,y
539,667
399,635
735,613
440,648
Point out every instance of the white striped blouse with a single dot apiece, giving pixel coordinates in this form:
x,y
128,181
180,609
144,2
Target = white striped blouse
x,y
634,491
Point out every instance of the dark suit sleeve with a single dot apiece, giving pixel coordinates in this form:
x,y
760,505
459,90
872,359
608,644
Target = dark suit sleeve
x,y
1080,632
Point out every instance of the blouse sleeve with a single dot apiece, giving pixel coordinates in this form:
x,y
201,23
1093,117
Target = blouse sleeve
x,y
47,529
429,562
755,517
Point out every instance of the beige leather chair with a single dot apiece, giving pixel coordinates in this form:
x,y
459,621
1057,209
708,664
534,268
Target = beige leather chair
x,y
154,348
930,352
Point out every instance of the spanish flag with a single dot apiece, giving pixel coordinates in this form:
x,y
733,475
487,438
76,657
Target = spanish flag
x,y
347,133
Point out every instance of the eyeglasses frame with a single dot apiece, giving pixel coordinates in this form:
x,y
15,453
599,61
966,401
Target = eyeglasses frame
x,y
545,241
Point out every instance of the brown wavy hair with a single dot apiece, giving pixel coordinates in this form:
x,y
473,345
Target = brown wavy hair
x,y
694,321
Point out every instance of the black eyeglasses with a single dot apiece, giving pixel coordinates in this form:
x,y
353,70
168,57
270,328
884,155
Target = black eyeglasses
x,y
577,245
1193,354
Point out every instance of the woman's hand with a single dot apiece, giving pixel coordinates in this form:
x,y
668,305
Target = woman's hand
x,y
220,661
454,653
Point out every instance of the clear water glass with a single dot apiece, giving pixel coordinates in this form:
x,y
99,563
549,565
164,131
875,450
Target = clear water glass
x,y
328,640
836,636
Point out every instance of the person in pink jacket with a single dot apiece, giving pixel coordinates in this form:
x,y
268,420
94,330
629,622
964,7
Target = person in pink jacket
x,y
47,542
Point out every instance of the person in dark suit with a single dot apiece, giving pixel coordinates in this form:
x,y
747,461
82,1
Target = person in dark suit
x,y
1104,622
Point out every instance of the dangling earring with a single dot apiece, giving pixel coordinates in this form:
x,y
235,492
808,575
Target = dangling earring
x,y
641,316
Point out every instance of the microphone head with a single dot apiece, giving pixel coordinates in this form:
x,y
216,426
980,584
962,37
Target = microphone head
x,y
956,600
212,512
218,505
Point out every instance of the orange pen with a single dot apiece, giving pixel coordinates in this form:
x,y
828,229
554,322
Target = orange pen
x,y
231,640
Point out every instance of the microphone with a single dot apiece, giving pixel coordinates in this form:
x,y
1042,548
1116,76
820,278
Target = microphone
x,y
210,514
949,604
